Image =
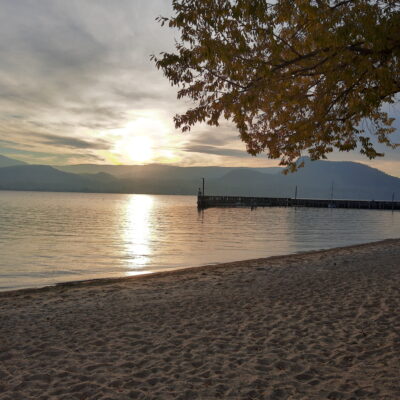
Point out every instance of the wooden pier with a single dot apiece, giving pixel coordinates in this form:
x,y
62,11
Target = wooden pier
x,y
253,202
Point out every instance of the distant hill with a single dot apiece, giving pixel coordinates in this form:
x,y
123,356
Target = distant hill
x,y
9,162
350,180
45,178
161,171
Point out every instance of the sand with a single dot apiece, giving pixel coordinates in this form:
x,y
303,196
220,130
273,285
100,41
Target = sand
x,y
321,325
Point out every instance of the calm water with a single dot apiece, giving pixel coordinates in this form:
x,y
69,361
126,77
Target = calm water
x,y
55,237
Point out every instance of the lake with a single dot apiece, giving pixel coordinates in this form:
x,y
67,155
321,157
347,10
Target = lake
x,y
46,238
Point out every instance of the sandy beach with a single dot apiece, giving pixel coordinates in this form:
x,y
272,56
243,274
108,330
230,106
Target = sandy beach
x,y
320,325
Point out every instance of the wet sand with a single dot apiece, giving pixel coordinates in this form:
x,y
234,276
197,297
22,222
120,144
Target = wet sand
x,y
320,325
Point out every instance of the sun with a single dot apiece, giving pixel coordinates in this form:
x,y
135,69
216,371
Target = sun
x,y
139,148
142,140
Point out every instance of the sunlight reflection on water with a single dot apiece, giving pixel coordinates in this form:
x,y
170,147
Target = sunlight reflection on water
x,y
137,231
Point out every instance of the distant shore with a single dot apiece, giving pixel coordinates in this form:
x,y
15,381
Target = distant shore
x,y
323,324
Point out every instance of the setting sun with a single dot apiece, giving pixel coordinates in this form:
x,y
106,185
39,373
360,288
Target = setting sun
x,y
140,148
142,140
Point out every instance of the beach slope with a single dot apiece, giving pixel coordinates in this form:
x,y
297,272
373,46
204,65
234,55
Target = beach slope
x,y
320,325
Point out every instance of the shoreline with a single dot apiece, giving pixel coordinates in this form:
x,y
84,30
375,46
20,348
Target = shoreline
x,y
312,325
179,271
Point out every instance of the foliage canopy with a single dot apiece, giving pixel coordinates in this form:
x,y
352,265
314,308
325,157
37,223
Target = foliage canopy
x,y
293,75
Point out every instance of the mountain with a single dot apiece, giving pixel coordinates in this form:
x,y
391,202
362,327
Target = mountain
x,y
161,171
45,178
348,180
9,162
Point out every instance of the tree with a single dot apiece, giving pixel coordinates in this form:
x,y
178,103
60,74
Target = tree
x,y
293,75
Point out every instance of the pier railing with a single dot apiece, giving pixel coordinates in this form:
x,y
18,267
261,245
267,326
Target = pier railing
x,y
242,201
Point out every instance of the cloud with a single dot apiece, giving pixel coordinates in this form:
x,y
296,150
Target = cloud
x,y
221,151
37,157
214,138
73,142
76,68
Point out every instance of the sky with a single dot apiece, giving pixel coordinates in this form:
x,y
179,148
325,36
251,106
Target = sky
x,y
77,86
